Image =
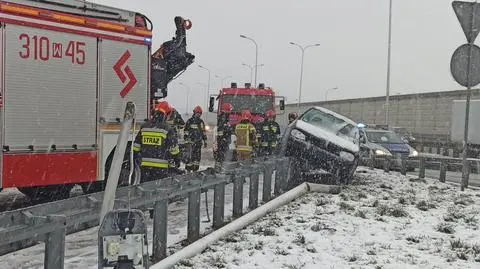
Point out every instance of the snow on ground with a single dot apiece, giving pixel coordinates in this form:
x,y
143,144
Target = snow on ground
x,y
380,221
81,248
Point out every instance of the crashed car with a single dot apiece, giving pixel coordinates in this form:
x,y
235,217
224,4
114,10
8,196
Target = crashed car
x,y
384,147
321,142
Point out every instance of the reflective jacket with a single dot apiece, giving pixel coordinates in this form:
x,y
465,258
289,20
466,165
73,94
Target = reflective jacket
x,y
177,123
195,130
156,145
224,129
246,136
269,134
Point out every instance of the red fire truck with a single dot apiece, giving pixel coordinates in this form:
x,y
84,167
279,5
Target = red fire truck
x,y
257,100
67,70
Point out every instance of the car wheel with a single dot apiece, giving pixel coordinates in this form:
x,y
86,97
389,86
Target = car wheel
x,y
346,174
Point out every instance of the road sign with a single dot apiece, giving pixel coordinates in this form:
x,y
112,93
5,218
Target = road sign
x,y
466,12
459,65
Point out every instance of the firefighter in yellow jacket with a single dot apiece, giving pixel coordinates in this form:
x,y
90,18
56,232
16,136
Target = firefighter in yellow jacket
x,y
246,137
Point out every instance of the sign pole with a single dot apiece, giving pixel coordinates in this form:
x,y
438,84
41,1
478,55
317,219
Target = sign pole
x,y
465,166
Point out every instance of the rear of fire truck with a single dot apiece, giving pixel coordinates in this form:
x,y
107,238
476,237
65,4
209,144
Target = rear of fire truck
x,y
67,70
257,100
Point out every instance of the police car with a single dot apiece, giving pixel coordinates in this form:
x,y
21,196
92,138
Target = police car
x,y
378,144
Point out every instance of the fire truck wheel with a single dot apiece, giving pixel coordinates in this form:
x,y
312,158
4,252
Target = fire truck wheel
x,y
48,193
89,188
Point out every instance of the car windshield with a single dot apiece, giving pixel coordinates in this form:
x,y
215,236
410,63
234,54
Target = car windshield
x,y
330,123
384,137
254,103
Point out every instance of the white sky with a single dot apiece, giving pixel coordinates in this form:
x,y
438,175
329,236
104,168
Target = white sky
x,y
352,34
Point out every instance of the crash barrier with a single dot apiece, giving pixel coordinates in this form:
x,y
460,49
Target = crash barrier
x,y
442,164
240,223
51,222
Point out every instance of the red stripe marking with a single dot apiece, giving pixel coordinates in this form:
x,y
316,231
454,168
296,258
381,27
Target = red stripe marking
x,y
118,66
131,83
42,169
72,31
90,22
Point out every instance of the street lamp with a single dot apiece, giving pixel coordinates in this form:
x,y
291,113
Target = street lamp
x,y
187,96
387,98
301,69
251,70
206,90
256,55
222,79
209,75
326,92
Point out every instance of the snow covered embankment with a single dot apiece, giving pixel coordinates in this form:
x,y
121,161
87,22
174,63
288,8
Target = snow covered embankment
x,y
381,221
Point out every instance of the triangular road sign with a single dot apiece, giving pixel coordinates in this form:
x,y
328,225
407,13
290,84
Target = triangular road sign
x,y
464,11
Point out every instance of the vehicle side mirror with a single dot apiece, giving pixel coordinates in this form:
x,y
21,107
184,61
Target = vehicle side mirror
x,y
282,105
211,104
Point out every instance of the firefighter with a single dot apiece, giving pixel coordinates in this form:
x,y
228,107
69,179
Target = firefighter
x,y
224,133
246,137
156,149
195,134
292,117
177,123
269,134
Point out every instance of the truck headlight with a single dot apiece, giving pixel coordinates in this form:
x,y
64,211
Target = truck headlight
x,y
413,153
347,156
380,152
298,135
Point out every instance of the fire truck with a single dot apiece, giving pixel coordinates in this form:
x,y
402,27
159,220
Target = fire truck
x,y
67,70
257,100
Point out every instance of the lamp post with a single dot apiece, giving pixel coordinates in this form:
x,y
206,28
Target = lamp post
x,y
256,55
389,52
326,92
251,69
187,96
208,87
205,90
302,48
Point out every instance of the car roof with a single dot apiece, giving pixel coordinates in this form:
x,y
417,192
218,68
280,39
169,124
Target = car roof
x,y
347,120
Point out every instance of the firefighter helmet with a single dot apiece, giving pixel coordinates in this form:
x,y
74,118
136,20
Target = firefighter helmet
x,y
197,110
226,108
164,108
246,115
271,114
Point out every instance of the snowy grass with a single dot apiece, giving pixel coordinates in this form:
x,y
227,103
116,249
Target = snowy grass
x,y
380,221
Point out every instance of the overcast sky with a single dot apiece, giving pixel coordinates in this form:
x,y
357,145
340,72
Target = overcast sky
x,y
352,34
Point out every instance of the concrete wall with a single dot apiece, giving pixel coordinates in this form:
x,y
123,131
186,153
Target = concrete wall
x,y
426,113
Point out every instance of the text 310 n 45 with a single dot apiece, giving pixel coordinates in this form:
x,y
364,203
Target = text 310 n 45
x,y
41,48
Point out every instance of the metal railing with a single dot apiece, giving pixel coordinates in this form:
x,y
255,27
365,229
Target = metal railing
x,y
443,164
51,222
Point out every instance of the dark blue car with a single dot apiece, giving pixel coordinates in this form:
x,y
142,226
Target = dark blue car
x,y
379,145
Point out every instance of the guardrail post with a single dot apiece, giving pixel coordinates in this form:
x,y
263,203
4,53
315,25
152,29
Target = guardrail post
x,y
281,175
267,182
218,205
443,170
467,174
253,191
55,244
403,169
193,229
421,173
238,196
386,165
160,219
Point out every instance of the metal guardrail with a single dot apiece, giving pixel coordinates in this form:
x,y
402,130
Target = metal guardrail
x,y
51,222
441,163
